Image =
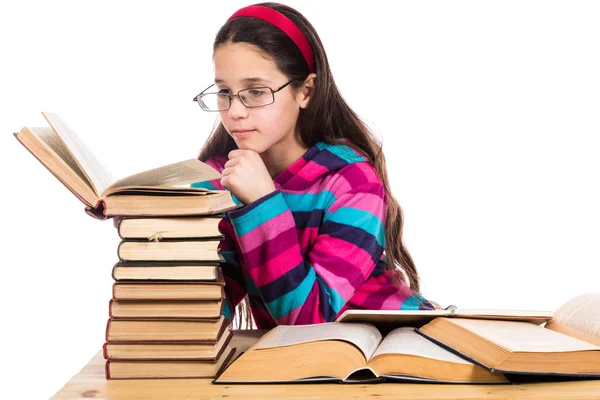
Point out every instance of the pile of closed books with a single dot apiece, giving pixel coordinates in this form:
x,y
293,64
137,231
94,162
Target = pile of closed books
x,y
165,312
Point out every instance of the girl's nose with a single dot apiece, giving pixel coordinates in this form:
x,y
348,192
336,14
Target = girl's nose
x,y
237,109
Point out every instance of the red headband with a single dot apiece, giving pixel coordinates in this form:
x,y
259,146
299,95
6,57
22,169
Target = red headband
x,y
282,22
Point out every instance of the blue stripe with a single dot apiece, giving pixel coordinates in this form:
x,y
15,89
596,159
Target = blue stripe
x,y
358,219
335,301
226,310
268,209
413,302
285,283
294,299
344,152
210,186
204,185
309,201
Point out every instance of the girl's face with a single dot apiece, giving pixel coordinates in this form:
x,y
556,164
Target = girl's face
x,y
241,66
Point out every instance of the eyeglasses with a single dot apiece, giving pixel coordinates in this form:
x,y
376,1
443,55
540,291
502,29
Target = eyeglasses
x,y
251,98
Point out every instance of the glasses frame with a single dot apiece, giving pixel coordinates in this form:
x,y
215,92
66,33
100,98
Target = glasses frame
x,y
231,96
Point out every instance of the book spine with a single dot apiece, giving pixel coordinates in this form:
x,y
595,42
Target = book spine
x,y
107,329
105,350
119,251
110,308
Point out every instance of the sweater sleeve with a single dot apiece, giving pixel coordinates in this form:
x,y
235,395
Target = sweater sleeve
x,y
313,288
235,287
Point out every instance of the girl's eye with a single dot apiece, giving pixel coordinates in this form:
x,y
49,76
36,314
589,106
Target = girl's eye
x,y
256,92
224,91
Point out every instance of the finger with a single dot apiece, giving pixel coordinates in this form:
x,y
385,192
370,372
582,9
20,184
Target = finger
x,y
227,171
232,162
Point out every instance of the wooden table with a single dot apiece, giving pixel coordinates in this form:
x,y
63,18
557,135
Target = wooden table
x,y
91,383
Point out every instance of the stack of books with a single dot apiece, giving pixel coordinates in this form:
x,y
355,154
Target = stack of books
x,y
165,312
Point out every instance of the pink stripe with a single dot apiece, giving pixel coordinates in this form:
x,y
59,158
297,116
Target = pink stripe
x,y
363,293
271,248
370,202
369,173
339,283
348,251
276,267
312,170
266,231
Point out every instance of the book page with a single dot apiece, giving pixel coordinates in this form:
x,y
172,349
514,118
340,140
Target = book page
x,y
523,336
51,139
396,317
364,336
180,173
406,341
533,316
581,313
579,318
96,173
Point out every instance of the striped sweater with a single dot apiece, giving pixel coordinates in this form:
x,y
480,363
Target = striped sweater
x,y
314,247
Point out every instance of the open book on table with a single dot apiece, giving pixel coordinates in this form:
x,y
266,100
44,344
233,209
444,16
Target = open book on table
x,y
477,349
161,191
568,345
350,352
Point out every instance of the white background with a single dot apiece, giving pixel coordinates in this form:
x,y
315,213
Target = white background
x,y
488,111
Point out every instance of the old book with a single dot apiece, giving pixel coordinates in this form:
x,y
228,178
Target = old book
x,y
416,318
157,228
525,348
167,369
169,250
169,290
349,352
162,309
142,330
160,191
163,271
207,350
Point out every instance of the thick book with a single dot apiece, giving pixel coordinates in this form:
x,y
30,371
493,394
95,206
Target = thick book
x,y
162,309
187,330
525,348
157,228
167,369
169,290
170,250
350,352
157,192
199,351
164,271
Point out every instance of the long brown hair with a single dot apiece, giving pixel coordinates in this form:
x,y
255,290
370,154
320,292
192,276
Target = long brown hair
x,y
328,119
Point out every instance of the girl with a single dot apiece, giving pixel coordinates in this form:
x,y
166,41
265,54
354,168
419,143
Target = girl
x,y
319,231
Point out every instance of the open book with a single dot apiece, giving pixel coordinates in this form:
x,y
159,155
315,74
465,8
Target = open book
x,y
350,352
396,318
568,345
157,192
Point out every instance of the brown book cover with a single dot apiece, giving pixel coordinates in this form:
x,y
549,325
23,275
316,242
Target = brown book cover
x,y
170,271
201,250
170,369
169,290
185,350
176,329
158,228
165,309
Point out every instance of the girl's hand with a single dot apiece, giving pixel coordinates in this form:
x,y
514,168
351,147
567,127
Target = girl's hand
x,y
116,221
246,176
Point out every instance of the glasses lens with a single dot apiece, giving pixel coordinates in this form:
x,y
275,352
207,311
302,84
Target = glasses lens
x,y
214,101
256,97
